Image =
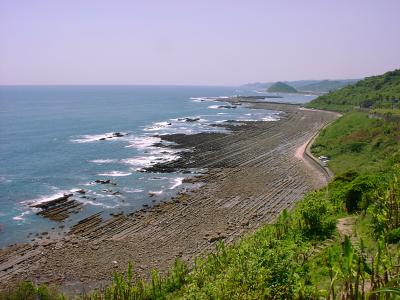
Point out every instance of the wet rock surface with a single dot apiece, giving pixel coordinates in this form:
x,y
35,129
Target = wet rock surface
x,y
58,209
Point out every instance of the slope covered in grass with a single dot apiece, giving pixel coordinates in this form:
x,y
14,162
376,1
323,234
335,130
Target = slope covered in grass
x,y
357,142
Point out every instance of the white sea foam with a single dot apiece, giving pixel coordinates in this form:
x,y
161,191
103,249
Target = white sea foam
x,y
176,182
127,190
189,119
103,161
46,198
4,179
270,118
141,162
155,192
227,106
20,217
89,138
202,99
265,118
96,203
115,174
157,126
143,142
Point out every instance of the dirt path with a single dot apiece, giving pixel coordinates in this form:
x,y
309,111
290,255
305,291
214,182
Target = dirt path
x,y
253,174
346,226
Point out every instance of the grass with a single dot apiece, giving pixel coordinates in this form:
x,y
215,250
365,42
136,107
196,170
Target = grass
x,y
332,106
357,142
386,111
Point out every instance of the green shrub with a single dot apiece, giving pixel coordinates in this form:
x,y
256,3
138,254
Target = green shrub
x,y
385,209
393,236
27,290
317,216
351,190
355,147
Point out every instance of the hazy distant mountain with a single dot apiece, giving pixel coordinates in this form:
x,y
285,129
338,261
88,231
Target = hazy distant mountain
x,y
298,83
257,85
266,85
325,86
312,86
280,87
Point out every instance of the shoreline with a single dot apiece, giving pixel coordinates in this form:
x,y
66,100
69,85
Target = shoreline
x,y
253,174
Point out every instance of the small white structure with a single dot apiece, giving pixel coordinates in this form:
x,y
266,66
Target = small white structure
x,y
324,160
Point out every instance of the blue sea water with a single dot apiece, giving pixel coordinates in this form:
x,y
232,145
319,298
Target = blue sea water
x,y
50,145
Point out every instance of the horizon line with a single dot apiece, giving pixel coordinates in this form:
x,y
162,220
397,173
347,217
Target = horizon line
x,y
157,84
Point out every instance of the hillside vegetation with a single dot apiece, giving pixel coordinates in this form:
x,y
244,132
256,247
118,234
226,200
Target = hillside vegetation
x,y
280,87
314,86
325,86
376,92
359,143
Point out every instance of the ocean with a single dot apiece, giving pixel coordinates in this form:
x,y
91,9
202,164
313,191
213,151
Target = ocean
x,y
56,140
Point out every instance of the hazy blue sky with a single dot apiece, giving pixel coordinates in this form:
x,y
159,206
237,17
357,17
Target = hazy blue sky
x,y
195,42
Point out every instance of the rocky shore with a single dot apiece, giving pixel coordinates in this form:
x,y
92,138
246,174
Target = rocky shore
x,y
253,173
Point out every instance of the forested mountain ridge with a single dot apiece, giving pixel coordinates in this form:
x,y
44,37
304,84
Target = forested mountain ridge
x,y
280,87
382,91
325,86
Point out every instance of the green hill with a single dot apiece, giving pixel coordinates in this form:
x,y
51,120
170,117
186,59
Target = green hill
x,y
280,87
326,86
375,92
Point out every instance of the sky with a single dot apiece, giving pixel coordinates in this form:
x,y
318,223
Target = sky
x,y
207,42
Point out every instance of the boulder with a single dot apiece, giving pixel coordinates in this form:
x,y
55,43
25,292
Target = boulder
x,y
105,181
188,119
118,134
